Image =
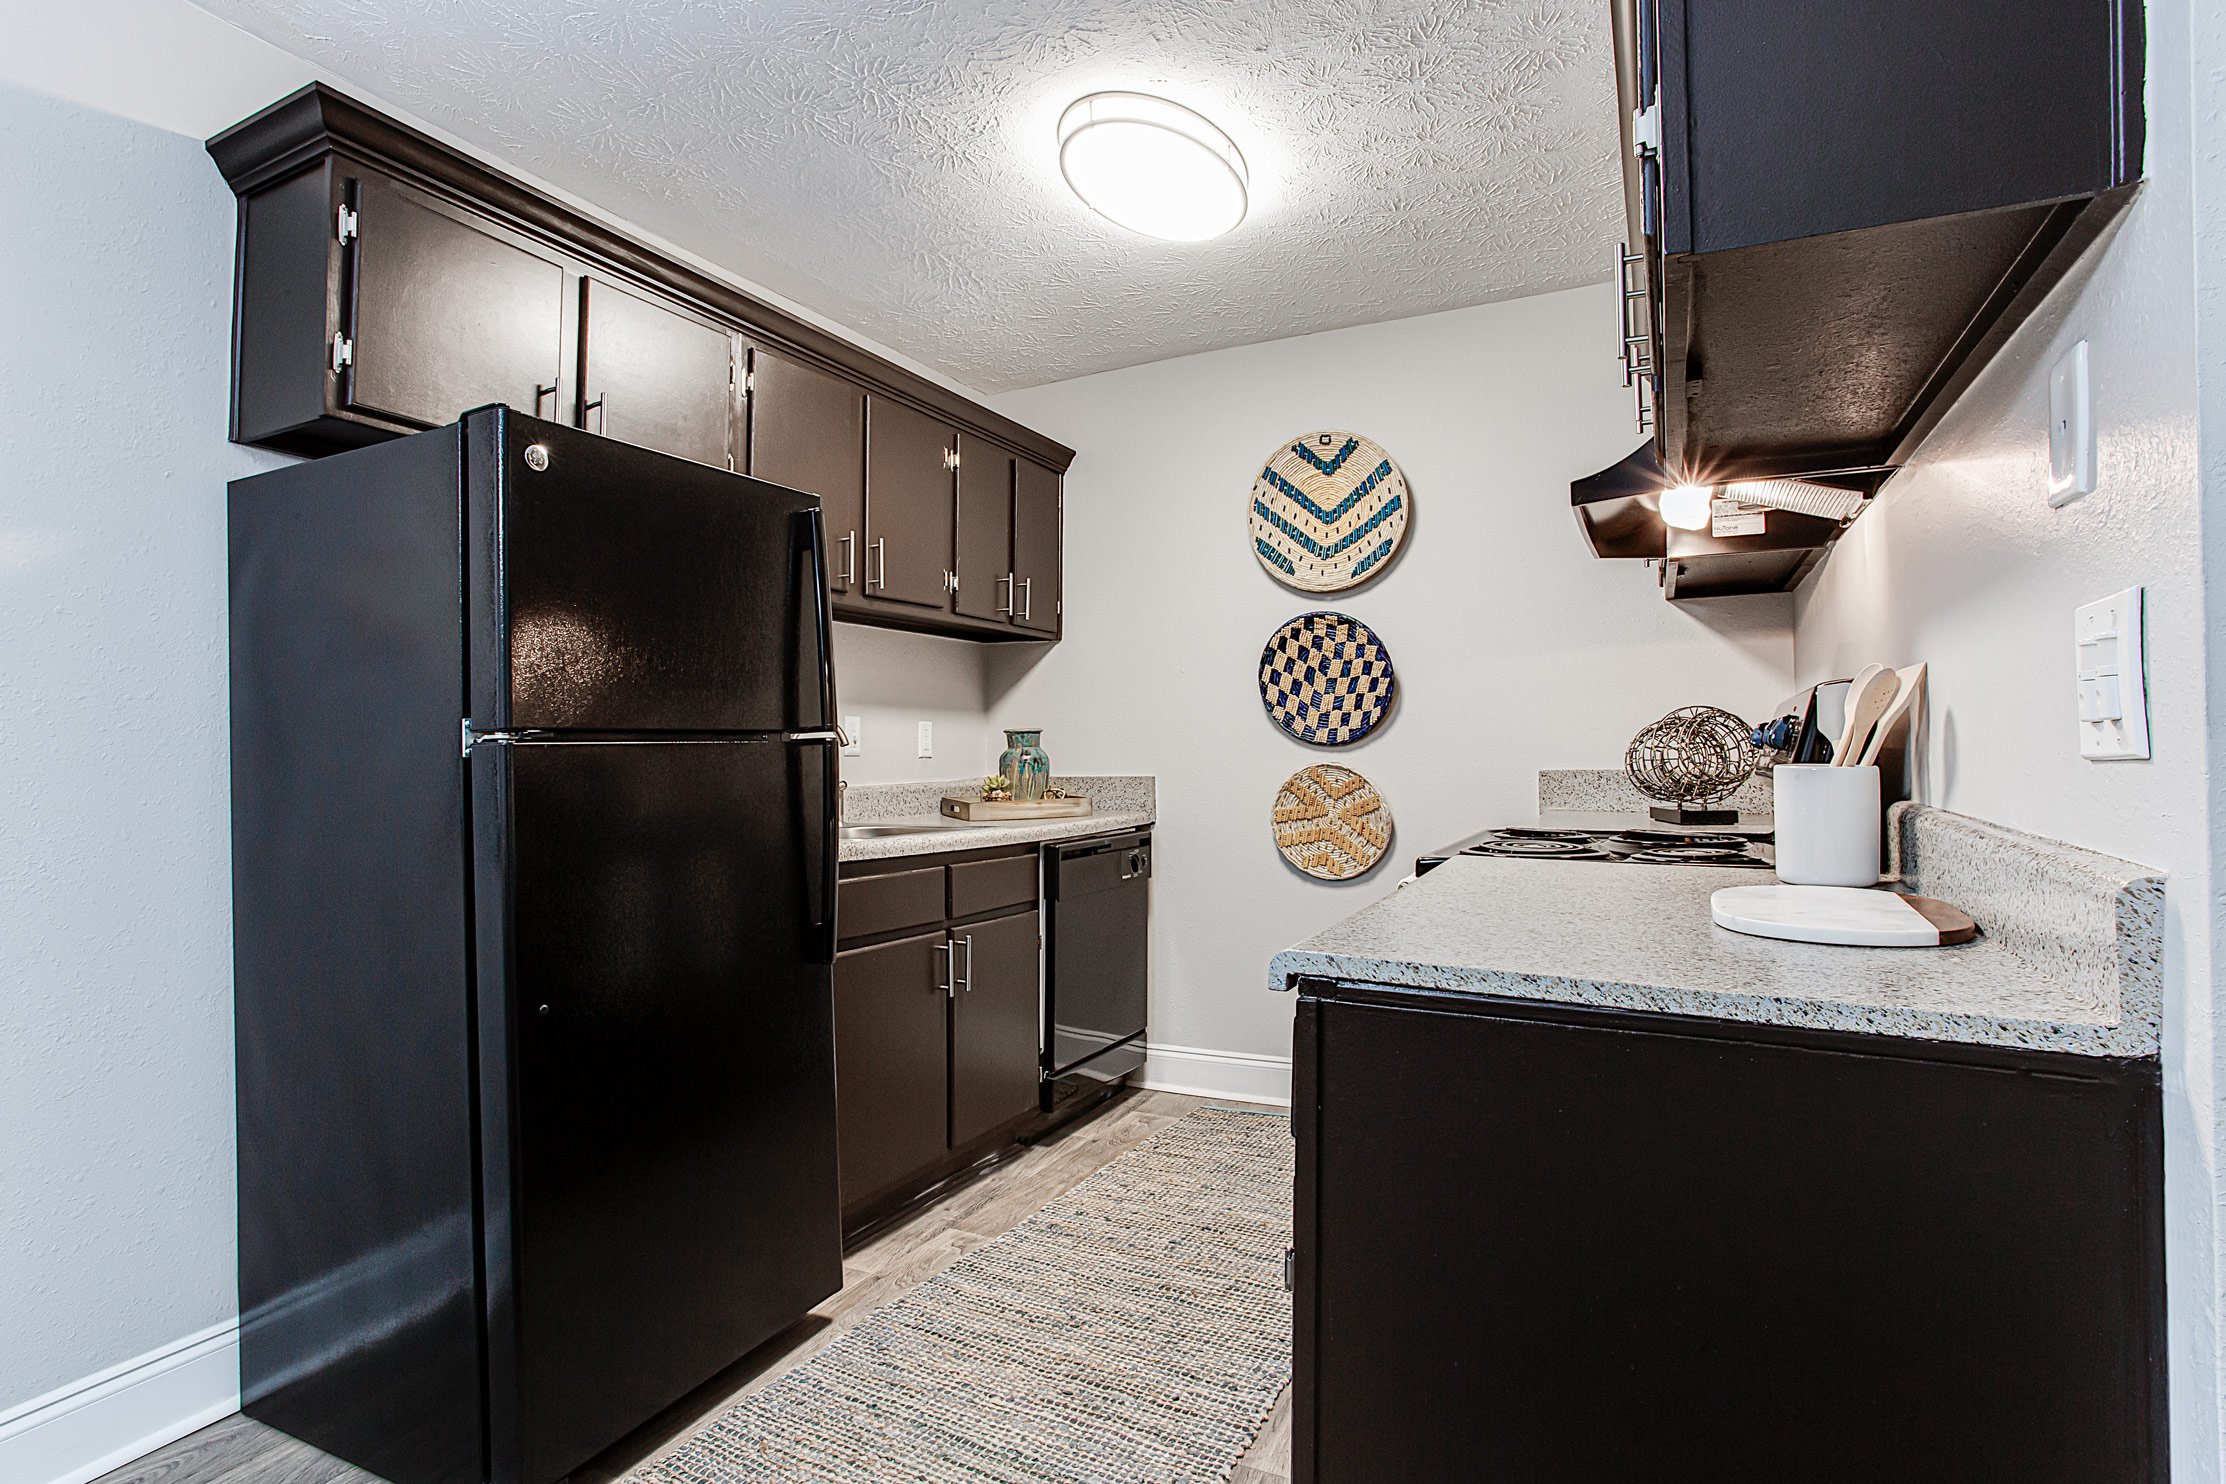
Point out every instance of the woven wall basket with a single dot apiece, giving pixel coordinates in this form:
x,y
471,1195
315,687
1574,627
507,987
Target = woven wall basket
x,y
1330,822
1328,512
1326,679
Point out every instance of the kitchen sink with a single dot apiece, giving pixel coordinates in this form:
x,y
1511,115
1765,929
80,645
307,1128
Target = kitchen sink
x,y
883,831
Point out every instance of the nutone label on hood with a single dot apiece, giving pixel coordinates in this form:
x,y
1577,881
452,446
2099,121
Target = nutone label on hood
x,y
1730,518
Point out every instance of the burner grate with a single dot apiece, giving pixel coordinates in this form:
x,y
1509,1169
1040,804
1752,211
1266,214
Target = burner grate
x,y
1534,849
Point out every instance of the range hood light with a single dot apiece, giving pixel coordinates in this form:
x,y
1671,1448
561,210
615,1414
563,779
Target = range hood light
x,y
1685,506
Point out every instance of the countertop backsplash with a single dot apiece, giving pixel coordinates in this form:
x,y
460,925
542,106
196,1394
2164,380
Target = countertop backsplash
x,y
1610,791
872,803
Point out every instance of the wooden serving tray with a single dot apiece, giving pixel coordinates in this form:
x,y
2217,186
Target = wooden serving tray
x,y
1014,809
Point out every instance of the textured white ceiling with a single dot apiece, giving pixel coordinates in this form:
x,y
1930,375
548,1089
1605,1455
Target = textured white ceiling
x,y
892,163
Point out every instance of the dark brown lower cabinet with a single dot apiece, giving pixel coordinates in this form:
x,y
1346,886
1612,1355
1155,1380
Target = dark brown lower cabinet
x,y
1558,1244
892,1078
938,995
994,1025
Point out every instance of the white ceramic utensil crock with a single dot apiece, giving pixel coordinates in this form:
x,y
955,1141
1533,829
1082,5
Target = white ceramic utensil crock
x,y
1827,824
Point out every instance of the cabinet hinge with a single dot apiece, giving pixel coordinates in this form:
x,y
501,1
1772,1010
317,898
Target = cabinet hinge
x,y
343,353
347,225
1646,131
1290,1270
749,382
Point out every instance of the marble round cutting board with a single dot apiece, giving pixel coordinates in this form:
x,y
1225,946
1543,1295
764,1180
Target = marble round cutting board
x,y
1852,915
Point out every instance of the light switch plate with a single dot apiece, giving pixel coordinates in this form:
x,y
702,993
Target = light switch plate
x,y
855,730
2071,429
2112,678
927,739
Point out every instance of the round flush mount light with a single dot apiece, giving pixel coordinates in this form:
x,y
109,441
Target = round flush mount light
x,y
1152,166
1685,506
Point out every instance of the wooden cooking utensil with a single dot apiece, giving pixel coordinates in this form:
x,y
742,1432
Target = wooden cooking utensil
x,y
1912,680
1873,691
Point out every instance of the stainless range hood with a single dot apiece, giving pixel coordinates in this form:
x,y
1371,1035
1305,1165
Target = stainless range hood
x,y
1788,526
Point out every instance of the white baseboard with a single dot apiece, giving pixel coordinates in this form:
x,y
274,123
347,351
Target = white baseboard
x,y
1238,1075
106,1420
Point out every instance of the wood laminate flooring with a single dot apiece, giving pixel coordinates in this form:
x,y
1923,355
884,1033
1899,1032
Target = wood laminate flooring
x,y
238,1450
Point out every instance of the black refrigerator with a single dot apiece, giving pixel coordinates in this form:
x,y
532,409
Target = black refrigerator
x,y
534,844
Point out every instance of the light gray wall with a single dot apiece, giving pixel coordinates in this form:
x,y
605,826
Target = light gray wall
x,y
116,1181
1963,565
892,681
1516,650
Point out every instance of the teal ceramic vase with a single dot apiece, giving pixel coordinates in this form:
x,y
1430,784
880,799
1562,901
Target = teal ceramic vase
x,y
1024,767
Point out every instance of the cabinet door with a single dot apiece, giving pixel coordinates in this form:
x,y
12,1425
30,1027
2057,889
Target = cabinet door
x,y
909,505
1036,548
446,315
808,431
995,1065
985,530
1915,1263
655,375
892,1076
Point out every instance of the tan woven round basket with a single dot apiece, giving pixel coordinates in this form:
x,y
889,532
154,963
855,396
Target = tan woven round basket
x,y
1328,512
1331,823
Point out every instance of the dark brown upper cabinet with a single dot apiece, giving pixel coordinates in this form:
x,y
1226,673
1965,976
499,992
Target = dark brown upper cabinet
x,y
1839,213
386,283
807,430
441,314
1037,516
653,374
985,531
911,468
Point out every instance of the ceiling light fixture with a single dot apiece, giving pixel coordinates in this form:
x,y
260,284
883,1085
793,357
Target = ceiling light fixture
x,y
1685,506
1153,166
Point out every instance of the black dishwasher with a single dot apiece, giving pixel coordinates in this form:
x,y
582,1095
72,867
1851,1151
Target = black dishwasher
x,y
1097,903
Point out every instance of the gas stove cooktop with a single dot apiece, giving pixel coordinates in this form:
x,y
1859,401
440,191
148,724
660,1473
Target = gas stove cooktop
x,y
1636,847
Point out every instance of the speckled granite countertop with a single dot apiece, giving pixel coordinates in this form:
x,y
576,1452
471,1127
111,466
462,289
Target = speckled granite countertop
x,y
1121,803
2068,957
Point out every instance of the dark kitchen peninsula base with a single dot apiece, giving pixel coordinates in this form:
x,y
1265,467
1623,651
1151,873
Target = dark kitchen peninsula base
x,y
1558,1243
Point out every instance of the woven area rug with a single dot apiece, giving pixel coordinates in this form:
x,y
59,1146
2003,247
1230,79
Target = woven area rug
x,y
1135,1329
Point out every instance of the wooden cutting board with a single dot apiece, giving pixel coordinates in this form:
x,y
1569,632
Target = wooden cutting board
x,y
1851,915
1014,810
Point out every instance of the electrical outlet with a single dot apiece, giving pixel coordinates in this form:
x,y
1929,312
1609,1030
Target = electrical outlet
x,y
855,730
927,739
2113,678
2071,429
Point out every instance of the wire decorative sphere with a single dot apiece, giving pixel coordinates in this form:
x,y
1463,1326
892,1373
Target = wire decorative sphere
x,y
1694,755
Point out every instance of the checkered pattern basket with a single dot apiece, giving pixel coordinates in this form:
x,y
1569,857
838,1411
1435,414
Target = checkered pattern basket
x,y
1326,679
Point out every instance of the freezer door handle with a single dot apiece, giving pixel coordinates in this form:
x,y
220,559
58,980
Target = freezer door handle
x,y
811,537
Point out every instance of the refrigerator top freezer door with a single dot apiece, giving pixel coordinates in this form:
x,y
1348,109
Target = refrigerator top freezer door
x,y
614,589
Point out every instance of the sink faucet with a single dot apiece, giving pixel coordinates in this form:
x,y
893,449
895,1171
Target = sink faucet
x,y
842,800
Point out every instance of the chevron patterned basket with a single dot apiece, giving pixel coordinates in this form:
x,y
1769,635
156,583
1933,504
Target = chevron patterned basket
x,y
1328,512
1331,823
1326,679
